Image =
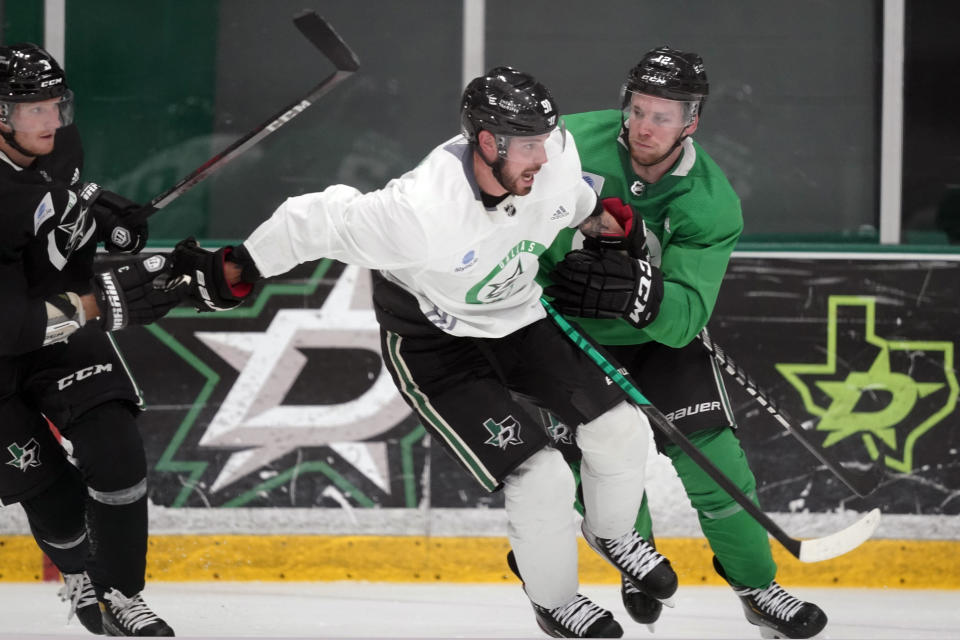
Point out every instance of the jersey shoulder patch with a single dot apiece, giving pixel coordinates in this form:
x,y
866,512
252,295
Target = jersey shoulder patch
x,y
44,212
594,180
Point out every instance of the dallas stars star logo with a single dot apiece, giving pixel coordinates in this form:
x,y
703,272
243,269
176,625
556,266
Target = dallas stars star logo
x,y
26,456
903,389
503,433
254,417
503,288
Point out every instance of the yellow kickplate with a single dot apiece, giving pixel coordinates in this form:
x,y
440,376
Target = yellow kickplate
x,y
899,564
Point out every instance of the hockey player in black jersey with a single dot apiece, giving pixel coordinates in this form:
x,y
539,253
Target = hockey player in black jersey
x,y
57,361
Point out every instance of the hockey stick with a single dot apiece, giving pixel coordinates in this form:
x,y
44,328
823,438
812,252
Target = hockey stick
x,y
861,482
324,38
813,550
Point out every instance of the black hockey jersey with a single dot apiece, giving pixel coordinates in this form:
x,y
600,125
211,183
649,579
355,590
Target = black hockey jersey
x,y
48,241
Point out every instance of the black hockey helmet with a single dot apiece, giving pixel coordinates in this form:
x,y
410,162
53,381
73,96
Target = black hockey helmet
x,y
507,102
29,74
668,73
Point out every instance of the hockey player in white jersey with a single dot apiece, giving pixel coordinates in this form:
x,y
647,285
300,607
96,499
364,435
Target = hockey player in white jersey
x,y
454,244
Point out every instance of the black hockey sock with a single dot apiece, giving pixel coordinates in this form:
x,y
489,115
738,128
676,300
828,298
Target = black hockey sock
x,y
56,519
110,454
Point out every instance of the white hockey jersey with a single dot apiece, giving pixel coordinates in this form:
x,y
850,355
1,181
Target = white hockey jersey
x,y
471,268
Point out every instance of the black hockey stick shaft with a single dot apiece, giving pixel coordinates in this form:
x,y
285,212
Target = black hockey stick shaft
x,y
804,550
861,482
319,32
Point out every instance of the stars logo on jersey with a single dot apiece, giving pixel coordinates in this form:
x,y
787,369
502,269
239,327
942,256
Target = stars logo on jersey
x,y
507,277
499,290
26,456
637,188
75,229
503,433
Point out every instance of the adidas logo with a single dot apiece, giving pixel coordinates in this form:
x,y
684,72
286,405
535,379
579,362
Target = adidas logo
x,y
561,212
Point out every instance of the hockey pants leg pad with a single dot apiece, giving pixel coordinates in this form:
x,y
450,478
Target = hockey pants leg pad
x,y
56,519
541,527
740,543
615,448
110,453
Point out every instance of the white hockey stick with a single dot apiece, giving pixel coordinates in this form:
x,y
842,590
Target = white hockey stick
x,y
812,550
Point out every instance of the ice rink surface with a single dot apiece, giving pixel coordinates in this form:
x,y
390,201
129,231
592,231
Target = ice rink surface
x,y
390,610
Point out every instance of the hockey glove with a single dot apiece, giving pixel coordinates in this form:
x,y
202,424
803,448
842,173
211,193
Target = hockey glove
x,y
138,291
209,288
633,240
607,284
120,230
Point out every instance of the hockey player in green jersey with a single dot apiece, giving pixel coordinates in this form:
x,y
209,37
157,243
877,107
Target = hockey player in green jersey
x,y
646,291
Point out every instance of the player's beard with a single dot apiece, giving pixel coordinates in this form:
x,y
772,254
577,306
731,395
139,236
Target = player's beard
x,y
514,181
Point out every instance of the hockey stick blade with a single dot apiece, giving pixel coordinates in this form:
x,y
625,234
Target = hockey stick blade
x,y
321,34
324,38
813,550
862,482
839,543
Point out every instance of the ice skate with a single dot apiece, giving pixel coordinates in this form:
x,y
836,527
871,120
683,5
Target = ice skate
x,y
78,591
639,562
123,616
777,613
579,618
642,608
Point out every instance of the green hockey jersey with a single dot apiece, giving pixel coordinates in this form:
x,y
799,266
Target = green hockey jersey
x,y
693,220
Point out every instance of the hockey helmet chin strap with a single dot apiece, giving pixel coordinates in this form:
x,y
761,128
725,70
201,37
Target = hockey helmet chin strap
x,y
10,138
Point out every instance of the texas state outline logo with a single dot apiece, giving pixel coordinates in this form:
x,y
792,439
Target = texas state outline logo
x,y
889,393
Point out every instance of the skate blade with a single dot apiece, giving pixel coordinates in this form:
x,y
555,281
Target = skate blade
x,y
769,634
668,602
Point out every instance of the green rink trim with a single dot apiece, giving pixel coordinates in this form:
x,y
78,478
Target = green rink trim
x,y
894,564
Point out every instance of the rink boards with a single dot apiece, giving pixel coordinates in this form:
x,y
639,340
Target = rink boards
x,y
278,449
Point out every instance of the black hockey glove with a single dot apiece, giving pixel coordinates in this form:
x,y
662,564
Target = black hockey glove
x,y
633,240
607,284
117,227
138,291
209,289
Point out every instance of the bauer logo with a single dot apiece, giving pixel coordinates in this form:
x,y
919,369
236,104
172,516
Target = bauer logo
x,y
693,410
887,394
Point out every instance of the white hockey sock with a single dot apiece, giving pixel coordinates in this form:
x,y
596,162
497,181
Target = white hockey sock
x,y
541,527
615,448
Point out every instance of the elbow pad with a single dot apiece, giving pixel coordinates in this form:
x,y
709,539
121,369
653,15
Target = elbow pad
x,y
64,316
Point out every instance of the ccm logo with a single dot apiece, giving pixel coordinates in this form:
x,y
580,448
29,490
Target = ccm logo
x,y
643,292
86,372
